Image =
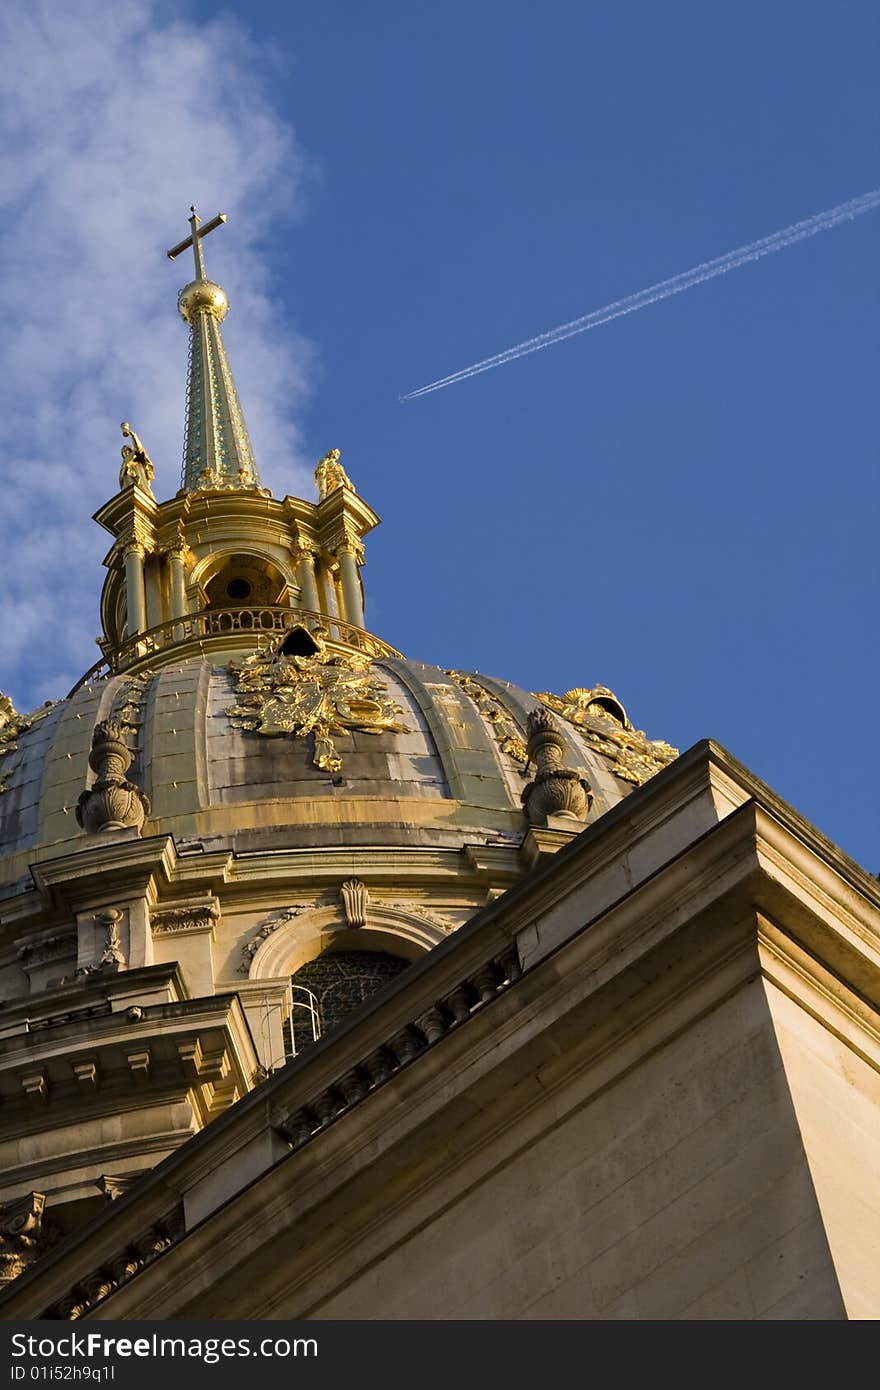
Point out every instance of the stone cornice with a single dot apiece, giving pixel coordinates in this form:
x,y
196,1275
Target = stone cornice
x,y
117,990
143,1042
129,509
685,800
119,868
398,867
300,512
343,513
153,868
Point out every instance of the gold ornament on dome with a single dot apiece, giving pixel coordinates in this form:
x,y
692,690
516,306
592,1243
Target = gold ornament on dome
x,y
323,694
507,735
13,725
603,723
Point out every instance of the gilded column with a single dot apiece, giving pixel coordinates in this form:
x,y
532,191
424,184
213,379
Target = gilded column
x,y
348,553
135,592
308,583
176,563
327,587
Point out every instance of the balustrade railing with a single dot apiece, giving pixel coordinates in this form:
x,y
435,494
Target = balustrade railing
x,y
216,626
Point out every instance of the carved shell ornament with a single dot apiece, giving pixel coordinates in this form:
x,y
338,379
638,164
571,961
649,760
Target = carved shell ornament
x,y
322,694
603,723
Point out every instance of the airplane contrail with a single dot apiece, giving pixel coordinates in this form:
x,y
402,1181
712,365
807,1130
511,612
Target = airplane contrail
x,y
707,270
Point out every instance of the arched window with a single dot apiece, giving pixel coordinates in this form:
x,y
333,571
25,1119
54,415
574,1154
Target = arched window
x,y
245,581
328,988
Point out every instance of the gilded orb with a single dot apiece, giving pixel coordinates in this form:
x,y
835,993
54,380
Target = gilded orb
x,y
202,296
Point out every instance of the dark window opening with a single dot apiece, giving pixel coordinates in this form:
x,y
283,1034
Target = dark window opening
x,y
299,642
327,989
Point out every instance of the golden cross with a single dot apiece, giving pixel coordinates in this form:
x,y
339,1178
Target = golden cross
x,y
197,231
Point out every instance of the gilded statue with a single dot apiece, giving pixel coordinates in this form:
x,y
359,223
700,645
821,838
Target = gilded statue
x,y
137,466
330,474
8,712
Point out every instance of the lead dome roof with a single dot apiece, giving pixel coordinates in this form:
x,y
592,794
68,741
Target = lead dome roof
x,y
452,774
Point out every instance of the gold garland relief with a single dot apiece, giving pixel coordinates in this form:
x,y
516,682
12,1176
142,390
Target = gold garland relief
x,y
324,694
13,725
603,723
507,736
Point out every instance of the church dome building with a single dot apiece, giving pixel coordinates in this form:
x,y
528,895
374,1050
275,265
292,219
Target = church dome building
x,y
287,915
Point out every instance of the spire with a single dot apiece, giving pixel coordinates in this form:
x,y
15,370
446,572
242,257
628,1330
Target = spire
x,y
217,450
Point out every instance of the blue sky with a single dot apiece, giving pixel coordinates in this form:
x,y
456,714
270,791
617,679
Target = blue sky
x,y
681,504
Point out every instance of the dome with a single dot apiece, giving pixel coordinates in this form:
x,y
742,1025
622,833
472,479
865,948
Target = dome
x,y
251,814
412,755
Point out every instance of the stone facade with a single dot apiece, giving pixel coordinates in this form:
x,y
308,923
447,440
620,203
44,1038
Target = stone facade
x,y
638,1085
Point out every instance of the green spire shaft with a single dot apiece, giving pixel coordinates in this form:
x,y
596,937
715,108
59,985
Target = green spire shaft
x,y
217,448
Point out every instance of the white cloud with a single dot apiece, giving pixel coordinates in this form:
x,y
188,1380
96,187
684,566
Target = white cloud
x,y
113,121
